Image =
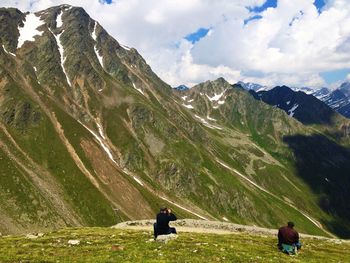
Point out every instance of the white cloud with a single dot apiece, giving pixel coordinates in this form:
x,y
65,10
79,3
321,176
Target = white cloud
x,y
290,45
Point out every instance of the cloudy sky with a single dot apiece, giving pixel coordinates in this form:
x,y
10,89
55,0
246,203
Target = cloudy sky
x,y
271,42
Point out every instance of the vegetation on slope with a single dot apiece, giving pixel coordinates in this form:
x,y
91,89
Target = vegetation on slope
x,y
114,245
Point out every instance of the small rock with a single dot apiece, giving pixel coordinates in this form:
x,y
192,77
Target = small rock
x,y
31,236
166,238
337,242
40,234
73,242
117,248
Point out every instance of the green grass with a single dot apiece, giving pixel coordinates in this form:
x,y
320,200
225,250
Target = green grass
x,y
113,245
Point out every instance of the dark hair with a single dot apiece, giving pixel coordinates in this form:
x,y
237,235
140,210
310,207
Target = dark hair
x,y
290,224
163,209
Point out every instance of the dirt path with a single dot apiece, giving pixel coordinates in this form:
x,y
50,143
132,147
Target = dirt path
x,y
212,227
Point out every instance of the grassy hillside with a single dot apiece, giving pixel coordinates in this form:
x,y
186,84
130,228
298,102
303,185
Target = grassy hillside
x,y
115,245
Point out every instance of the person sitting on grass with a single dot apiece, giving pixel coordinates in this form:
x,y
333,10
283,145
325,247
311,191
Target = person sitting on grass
x,y
161,227
288,239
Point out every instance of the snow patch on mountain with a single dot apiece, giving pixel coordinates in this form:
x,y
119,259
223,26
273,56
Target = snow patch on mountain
x,y
61,51
207,124
211,119
187,106
100,130
138,181
139,90
94,37
125,47
7,51
93,34
252,86
292,110
306,90
59,21
99,57
216,97
29,30
100,140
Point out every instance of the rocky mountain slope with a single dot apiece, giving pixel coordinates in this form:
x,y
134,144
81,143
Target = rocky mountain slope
x,y
339,99
305,108
89,135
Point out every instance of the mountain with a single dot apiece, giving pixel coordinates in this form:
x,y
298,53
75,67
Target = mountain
x,y
321,93
181,88
251,86
345,88
339,99
91,136
305,108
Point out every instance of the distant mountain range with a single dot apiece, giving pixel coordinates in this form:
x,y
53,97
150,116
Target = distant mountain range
x,y
338,99
251,86
181,88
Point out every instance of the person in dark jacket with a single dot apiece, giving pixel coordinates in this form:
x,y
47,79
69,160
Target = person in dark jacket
x,y
289,236
161,227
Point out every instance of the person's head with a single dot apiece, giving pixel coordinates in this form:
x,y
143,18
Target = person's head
x,y
290,224
164,210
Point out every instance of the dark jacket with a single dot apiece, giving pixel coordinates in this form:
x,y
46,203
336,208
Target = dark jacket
x,y
163,220
287,235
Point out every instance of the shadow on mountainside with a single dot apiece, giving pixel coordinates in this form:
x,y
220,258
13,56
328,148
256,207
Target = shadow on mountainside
x,y
325,167
309,110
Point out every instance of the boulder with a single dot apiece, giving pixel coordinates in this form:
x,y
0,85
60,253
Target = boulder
x,y
166,238
31,236
73,242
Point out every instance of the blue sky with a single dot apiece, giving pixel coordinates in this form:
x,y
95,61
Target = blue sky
x,y
335,75
106,1
273,3
196,36
259,9
319,4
